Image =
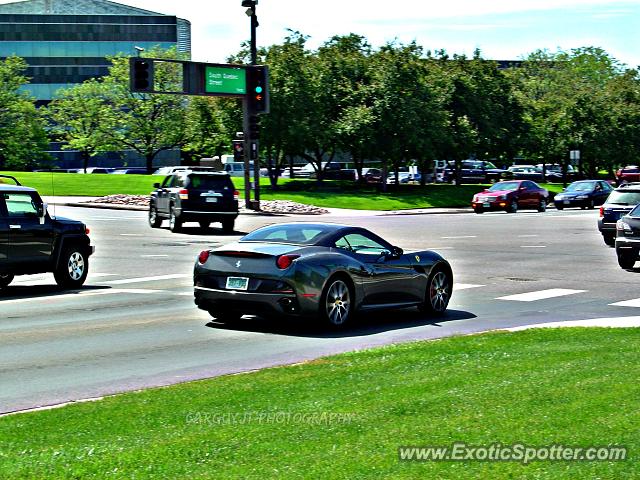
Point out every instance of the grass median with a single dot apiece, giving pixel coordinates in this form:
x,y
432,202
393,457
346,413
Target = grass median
x,y
345,416
331,194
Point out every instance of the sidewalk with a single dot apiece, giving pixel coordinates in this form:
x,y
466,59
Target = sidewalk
x,y
85,202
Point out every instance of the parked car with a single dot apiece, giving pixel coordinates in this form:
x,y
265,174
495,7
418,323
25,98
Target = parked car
x,y
630,173
473,171
524,172
620,202
95,170
32,242
583,194
553,172
372,175
403,177
130,171
510,196
182,168
628,238
194,196
318,270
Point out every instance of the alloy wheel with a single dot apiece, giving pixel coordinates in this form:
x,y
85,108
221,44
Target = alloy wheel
x,y
439,292
338,303
75,266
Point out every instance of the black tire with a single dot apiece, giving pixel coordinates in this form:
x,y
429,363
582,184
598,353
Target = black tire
x,y
513,207
336,303
5,279
204,225
175,224
228,225
225,316
609,240
627,260
542,206
72,268
591,205
559,206
478,210
154,220
438,293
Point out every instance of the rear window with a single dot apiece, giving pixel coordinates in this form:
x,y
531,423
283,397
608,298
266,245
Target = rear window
x,y
209,182
298,234
624,198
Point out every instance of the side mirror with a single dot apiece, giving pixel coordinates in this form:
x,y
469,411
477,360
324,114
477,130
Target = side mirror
x,y
156,185
396,252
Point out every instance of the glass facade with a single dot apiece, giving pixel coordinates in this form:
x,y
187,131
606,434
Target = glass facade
x,y
65,42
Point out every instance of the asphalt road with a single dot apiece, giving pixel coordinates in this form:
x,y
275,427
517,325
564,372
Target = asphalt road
x,y
134,324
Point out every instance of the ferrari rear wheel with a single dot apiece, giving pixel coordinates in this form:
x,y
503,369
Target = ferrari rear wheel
x,y
438,294
336,304
5,279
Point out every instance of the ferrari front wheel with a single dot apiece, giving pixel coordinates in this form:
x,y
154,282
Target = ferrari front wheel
x,y
438,294
336,303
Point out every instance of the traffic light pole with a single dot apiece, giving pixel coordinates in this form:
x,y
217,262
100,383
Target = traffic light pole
x,y
251,144
247,155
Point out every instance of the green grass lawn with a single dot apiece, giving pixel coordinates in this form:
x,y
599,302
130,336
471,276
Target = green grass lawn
x,y
576,387
329,194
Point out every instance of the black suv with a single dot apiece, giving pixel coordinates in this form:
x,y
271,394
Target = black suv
x,y
628,238
194,196
33,242
619,203
473,171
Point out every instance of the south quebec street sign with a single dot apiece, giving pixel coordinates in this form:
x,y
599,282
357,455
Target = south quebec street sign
x,y
159,75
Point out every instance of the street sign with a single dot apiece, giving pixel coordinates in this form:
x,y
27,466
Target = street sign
x,y
225,80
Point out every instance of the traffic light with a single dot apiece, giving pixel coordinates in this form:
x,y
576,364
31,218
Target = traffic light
x,y
238,150
254,127
258,89
141,74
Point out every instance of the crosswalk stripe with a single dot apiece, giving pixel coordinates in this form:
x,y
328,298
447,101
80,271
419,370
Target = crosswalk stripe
x,y
541,294
627,303
147,279
465,286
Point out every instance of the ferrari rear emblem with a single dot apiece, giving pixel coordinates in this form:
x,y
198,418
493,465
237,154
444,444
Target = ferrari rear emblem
x,y
238,263
417,258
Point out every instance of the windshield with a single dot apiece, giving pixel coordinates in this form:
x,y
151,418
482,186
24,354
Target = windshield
x,y
635,212
301,234
624,198
581,187
504,186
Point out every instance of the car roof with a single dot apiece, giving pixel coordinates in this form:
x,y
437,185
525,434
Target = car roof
x,y
16,188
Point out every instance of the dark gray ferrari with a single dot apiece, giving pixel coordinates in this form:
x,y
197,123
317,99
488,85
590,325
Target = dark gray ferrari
x,y
317,270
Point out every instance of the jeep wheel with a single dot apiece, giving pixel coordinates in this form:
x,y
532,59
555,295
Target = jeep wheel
x,y
5,279
154,220
72,268
627,260
175,224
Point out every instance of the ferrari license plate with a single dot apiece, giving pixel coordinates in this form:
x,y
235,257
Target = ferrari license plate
x,y
486,204
211,199
237,283
566,202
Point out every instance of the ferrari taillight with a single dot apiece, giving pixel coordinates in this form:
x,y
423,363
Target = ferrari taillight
x,y
285,261
184,194
87,231
203,257
602,211
236,195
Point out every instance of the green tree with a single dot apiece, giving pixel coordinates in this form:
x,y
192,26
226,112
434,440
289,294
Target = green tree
x,y
23,140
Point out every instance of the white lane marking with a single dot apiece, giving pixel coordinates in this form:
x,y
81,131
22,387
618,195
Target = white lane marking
x,y
540,294
627,303
97,275
528,236
533,246
460,236
80,294
147,279
131,234
465,286
616,322
153,256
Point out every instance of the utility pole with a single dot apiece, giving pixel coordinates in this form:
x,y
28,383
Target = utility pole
x,y
251,140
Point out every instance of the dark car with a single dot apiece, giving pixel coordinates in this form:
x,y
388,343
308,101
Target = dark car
x,y
583,194
510,196
372,175
628,238
618,204
318,270
628,174
194,196
130,171
524,172
33,242
553,172
473,171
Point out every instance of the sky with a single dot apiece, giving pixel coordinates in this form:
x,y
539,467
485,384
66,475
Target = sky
x,y
501,29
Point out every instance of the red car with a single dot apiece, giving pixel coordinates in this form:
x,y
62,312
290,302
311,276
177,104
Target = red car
x,y
628,174
510,196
